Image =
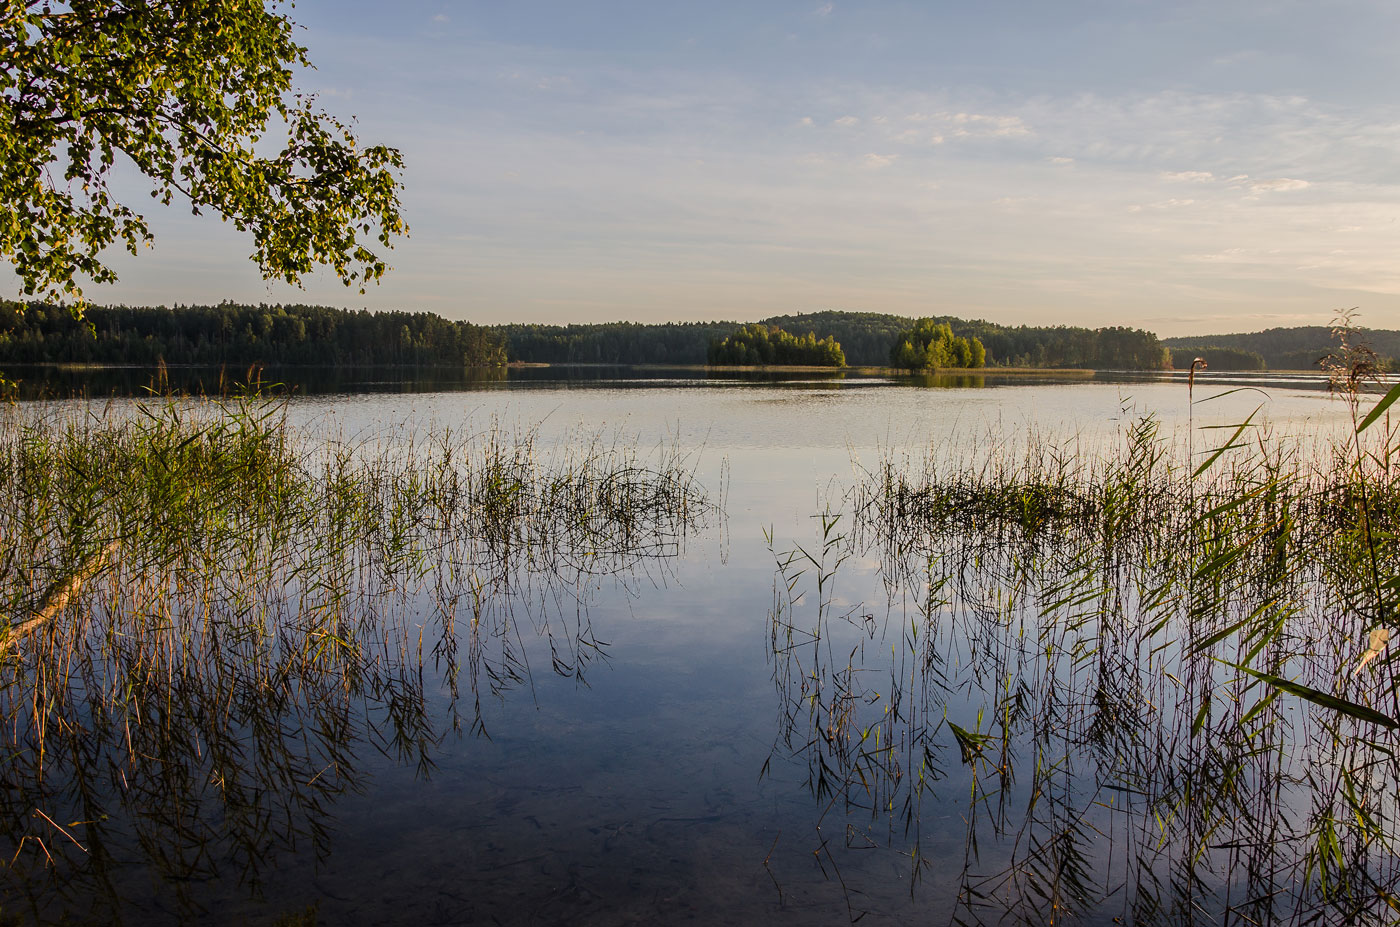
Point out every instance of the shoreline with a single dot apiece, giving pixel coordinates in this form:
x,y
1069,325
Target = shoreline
x,y
1083,372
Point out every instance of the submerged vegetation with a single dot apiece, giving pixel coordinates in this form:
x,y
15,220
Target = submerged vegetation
x,y
1139,673
258,607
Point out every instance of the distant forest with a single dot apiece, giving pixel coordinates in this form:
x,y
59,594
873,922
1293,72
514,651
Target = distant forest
x,y
239,335
1278,348
762,344
864,337
867,338
229,334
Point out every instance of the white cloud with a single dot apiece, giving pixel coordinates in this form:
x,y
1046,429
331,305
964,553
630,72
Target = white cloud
x,y
1278,185
825,9
1188,176
613,167
981,124
1224,256
972,125
442,18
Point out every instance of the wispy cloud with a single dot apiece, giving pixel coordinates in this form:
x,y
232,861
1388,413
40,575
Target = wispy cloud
x,y
965,124
1172,203
981,124
633,173
1279,185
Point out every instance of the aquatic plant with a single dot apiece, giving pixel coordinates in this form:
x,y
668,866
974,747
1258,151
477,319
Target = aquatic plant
x,y
1137,668
255,605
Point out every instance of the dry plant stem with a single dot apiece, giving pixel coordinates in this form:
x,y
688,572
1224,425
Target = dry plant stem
x,y
58,597
1069,622
282,604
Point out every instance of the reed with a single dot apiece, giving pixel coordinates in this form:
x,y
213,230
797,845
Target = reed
x,y
1135,671
253,606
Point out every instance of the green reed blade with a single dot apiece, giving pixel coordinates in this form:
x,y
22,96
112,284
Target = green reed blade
x,y
1386,402
1318,697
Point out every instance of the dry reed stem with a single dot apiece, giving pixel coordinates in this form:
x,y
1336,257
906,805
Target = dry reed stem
x,y
58,597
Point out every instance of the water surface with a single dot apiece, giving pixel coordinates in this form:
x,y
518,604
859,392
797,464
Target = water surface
x,y
642,763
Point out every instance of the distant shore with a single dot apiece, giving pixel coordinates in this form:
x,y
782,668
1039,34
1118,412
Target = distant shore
x,y
1068,372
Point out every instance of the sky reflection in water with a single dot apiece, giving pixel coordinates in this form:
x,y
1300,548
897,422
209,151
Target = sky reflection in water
x,y
640,758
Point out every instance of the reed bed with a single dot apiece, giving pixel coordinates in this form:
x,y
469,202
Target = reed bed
x,y
1135,675
259,607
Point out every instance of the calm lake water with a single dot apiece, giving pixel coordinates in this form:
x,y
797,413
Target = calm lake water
x,y
641,761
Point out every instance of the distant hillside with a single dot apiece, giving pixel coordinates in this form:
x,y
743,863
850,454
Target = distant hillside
x,y
240,335
1297,348
865,337
295,334
614,342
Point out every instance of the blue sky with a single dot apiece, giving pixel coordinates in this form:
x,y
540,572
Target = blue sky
x,y
1183,167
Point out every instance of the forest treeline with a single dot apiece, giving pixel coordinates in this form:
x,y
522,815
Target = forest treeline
x,y
614,342
762,344
242,335
866,339
1300,348
236,335
1218,358
931,345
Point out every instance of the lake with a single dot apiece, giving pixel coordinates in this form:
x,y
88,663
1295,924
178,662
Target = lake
x,y
767,711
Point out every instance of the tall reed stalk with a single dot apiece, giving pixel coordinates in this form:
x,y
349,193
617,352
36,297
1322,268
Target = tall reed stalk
x,y
272,605
1134,671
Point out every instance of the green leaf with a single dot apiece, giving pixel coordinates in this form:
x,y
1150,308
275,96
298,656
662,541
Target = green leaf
x,y
1228,445
1386,401
1318,697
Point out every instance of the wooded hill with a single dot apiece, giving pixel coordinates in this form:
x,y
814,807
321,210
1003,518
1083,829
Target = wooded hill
x,y
1298,348
865,338
242,335
231,334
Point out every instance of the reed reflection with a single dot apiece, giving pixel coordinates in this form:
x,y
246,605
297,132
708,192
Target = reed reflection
x,y
262,618
1092,664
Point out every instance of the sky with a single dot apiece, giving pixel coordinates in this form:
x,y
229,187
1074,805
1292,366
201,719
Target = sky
x,y
1184,167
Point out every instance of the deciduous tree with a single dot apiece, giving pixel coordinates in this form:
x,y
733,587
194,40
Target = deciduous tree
x,y
198,95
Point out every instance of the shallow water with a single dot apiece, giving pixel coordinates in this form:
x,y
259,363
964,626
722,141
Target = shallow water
x,y
652,776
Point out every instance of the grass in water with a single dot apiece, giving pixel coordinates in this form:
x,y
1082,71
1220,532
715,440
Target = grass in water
x,y
253,607
1135,671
